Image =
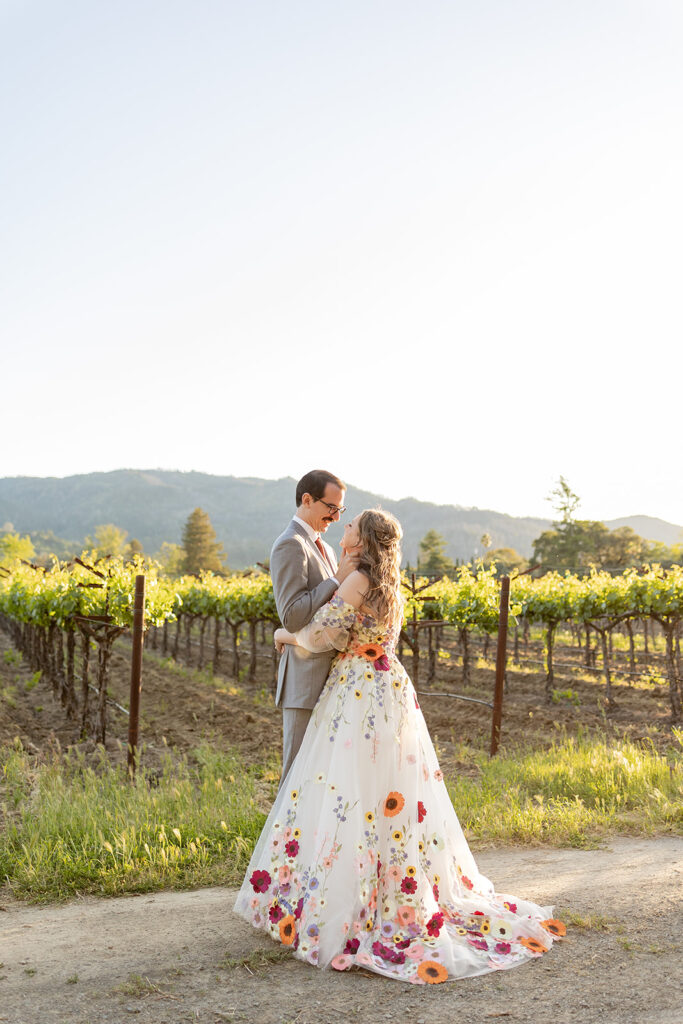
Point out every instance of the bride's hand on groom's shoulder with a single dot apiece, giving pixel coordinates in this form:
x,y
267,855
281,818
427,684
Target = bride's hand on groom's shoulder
x,y
347,563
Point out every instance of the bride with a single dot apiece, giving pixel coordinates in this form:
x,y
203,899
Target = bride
x,y
362,860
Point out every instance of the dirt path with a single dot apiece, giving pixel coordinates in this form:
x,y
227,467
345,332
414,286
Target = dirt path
x,y
163,958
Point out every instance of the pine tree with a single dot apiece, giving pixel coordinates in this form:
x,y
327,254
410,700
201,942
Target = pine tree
x,y
432,556
202,550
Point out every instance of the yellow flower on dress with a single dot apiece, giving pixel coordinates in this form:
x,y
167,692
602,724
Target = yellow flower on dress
x,y
397,835
357,694
369,816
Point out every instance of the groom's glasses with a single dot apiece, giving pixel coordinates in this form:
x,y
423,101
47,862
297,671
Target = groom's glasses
x,y
333,508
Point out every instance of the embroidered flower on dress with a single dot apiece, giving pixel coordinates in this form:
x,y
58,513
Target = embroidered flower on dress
x,y
287,927
260,881
432,972
393,804
555,927
533,945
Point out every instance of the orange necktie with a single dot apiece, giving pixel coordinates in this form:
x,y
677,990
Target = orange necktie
x,y
321,549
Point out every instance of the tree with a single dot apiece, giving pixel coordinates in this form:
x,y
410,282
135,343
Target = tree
x,y
202,550
432,557
564,501
134,548
506,559
108,540
578,543
13,548
172,558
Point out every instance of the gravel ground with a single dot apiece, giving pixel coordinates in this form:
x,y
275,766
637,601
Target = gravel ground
x,y
173,957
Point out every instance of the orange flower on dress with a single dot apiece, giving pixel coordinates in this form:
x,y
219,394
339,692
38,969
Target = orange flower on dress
x,y
370,651
432,972
554,927
287,928
393,804
533,944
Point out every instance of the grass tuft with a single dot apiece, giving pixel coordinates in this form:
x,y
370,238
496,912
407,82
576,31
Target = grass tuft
x,y
70,828
572,794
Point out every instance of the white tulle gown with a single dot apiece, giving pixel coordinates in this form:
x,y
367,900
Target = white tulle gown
x,y
362,860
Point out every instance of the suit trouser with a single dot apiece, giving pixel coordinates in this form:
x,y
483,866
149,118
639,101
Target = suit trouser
x,y
294,723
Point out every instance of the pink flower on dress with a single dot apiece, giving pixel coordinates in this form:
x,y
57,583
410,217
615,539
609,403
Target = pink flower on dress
x,y
363,958
342,962
254,902
415,952
503,947
284,873
411,759
382,664
394,872
438,775
405,915
287,833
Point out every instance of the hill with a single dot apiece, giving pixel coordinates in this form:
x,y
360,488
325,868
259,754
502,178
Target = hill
x,y
247,512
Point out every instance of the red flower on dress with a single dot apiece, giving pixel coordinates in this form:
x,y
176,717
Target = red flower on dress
x,y
466,882
435,924
503,947
435,890
409,885
292,848
421,811
260,880
382,664
478,943
276,913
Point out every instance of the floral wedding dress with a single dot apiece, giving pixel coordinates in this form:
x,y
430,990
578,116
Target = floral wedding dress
x,y
362,860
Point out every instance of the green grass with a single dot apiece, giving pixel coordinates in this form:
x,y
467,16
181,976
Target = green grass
x,y
572,794
69,828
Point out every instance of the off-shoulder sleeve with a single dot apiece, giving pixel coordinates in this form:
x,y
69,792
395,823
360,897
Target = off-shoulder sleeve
x,y
329,628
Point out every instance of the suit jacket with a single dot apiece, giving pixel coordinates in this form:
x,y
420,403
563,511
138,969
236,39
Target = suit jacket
x,y
301,584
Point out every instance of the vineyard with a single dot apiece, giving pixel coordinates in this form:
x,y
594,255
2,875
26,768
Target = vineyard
x,y
66,622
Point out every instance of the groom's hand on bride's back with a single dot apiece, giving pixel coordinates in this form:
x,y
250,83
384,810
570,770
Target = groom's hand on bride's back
x,y
347,563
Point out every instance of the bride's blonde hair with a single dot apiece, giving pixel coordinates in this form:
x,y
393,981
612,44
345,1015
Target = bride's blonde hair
x,y
380,560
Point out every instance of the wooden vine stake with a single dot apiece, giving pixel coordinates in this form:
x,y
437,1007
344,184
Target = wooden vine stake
x,y
500,663
136,673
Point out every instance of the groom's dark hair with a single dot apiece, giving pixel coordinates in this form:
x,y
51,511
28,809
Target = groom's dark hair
x,y
314,483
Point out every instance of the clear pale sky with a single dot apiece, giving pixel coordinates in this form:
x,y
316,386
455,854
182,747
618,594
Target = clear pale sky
x,y
434,247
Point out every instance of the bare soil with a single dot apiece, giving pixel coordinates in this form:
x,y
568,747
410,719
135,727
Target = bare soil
x,y
184,956
181,706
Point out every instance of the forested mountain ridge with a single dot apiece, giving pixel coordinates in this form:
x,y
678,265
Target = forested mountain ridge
x,y
248,513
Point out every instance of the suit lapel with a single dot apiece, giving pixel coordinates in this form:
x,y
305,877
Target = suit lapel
x,y
313,549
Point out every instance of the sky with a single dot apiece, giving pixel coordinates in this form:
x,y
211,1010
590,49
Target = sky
x,y
434,248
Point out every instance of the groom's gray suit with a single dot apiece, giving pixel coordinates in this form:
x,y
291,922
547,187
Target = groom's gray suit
x,y
302,582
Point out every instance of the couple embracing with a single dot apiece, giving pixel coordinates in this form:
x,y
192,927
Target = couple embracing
x,y
362,861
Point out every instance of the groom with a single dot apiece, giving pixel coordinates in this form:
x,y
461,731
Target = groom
x,y
305,575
